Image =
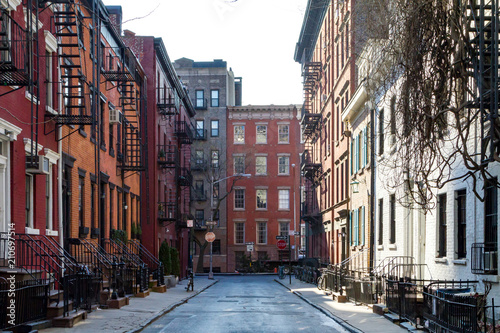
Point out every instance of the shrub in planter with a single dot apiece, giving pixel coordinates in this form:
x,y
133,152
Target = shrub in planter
x,y
164,256
120,235
176,265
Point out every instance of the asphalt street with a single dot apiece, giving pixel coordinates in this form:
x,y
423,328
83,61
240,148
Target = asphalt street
x,y
245,304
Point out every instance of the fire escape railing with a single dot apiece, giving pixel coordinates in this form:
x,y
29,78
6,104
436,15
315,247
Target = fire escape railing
x,y
183,132
14,68
168,156
167,211
167,101
310,170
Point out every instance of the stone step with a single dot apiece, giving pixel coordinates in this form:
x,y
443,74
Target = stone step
x,y
118,303
70,320
56,310
410,327
152,283
159,289
379,309
34,326
143,294
394,318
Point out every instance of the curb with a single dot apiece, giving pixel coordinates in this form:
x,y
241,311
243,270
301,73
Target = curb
x,y
326,312
170,308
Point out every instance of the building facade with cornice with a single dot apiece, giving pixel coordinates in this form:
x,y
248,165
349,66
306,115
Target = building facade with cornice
x,y
263,141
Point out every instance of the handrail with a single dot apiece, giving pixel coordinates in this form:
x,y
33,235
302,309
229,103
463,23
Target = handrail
x,y
390,260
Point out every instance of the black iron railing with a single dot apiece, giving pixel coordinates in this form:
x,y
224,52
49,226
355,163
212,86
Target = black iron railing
x,y
119,65
199,164
185,177
199,195
200,134
167,211
154,264
167,101
484,258
30,302
14,52
167,156
184,132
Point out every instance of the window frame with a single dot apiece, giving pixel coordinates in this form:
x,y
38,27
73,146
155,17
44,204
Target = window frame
x,y
239,138
262,205
257,165
212,99
238,237
283,200
261,236
239,167
287,166
442,225
280,134
213,128
257,134
239,202
197,98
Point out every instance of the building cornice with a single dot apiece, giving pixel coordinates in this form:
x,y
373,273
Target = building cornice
x,y
260,112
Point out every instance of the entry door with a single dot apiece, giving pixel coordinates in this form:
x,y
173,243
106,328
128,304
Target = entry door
x,y
66,203
102,210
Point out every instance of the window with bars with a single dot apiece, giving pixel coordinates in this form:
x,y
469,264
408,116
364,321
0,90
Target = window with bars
x,y
262,233
283,134
239,232
261,199
239,198
284,199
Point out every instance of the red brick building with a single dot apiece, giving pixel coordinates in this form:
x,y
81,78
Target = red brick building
x,y
263,141
167,182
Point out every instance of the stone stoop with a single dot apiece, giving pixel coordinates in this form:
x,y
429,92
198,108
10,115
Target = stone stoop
x,y
393,318
54,310
144,294
339,298
379,309
117,303
159,289
70,320
34,326
410,327
152,283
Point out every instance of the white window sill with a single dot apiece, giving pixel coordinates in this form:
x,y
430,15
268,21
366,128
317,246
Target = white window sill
x,y
460,262
49,232
283,209
441,260
50,110
283,174
31,231
392,247
283,143
238,143
261,209
261,143
261,174
239,209
27,94
380,247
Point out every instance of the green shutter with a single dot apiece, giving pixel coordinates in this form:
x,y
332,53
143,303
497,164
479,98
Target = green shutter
x,y
352,154
350,228
363,225
356,227
362,149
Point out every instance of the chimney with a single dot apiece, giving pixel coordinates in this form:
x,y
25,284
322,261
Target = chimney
x,y
115,17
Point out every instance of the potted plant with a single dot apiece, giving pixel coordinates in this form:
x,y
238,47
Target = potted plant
x,y
164,256
176,265
138,231
162,153
133,231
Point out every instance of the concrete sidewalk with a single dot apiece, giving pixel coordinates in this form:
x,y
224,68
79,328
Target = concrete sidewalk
x,y
355,318
139,313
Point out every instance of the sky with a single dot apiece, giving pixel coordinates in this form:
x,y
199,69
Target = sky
x,y
257,38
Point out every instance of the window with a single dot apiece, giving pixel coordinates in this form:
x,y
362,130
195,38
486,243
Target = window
x,y
239,198
215,192
381,132
490,216
48,73
380,221
239,232
214,128
215,159
81,202
214,98
101,125
392,204
199,217
239,164
200,98
441,220
261,233
216,246
284,199
92,204
461,197
239,134
199,159
283,135
393,115
261,165
48,199
199,188
111,202
261,199
283,165
29,201
284,228
200,129
261,136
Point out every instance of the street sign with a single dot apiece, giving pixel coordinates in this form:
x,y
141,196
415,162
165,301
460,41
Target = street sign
x,y
281,244
211,222
250,247
281,237
189,223
249,243
210,237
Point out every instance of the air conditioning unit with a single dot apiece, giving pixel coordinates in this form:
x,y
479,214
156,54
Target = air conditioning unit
x,y
37,164
115,116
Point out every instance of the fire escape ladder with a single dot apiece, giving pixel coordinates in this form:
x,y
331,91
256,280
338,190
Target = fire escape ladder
x,y
483,30
132,148
128,102
311,170
14,70
69,33
167,101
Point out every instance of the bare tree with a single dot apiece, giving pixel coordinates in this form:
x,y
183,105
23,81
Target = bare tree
x,y
425,56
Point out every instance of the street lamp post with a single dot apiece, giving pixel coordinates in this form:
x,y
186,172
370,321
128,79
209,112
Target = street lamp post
x,y
247,175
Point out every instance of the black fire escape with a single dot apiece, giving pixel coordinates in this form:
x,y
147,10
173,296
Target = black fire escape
x,y
167,101
120,67
483,51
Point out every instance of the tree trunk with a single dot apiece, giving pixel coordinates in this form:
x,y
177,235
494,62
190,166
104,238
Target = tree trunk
x,y
199,266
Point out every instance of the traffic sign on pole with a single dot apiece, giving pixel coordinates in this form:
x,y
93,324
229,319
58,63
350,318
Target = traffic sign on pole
x,y
281,238
281,244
